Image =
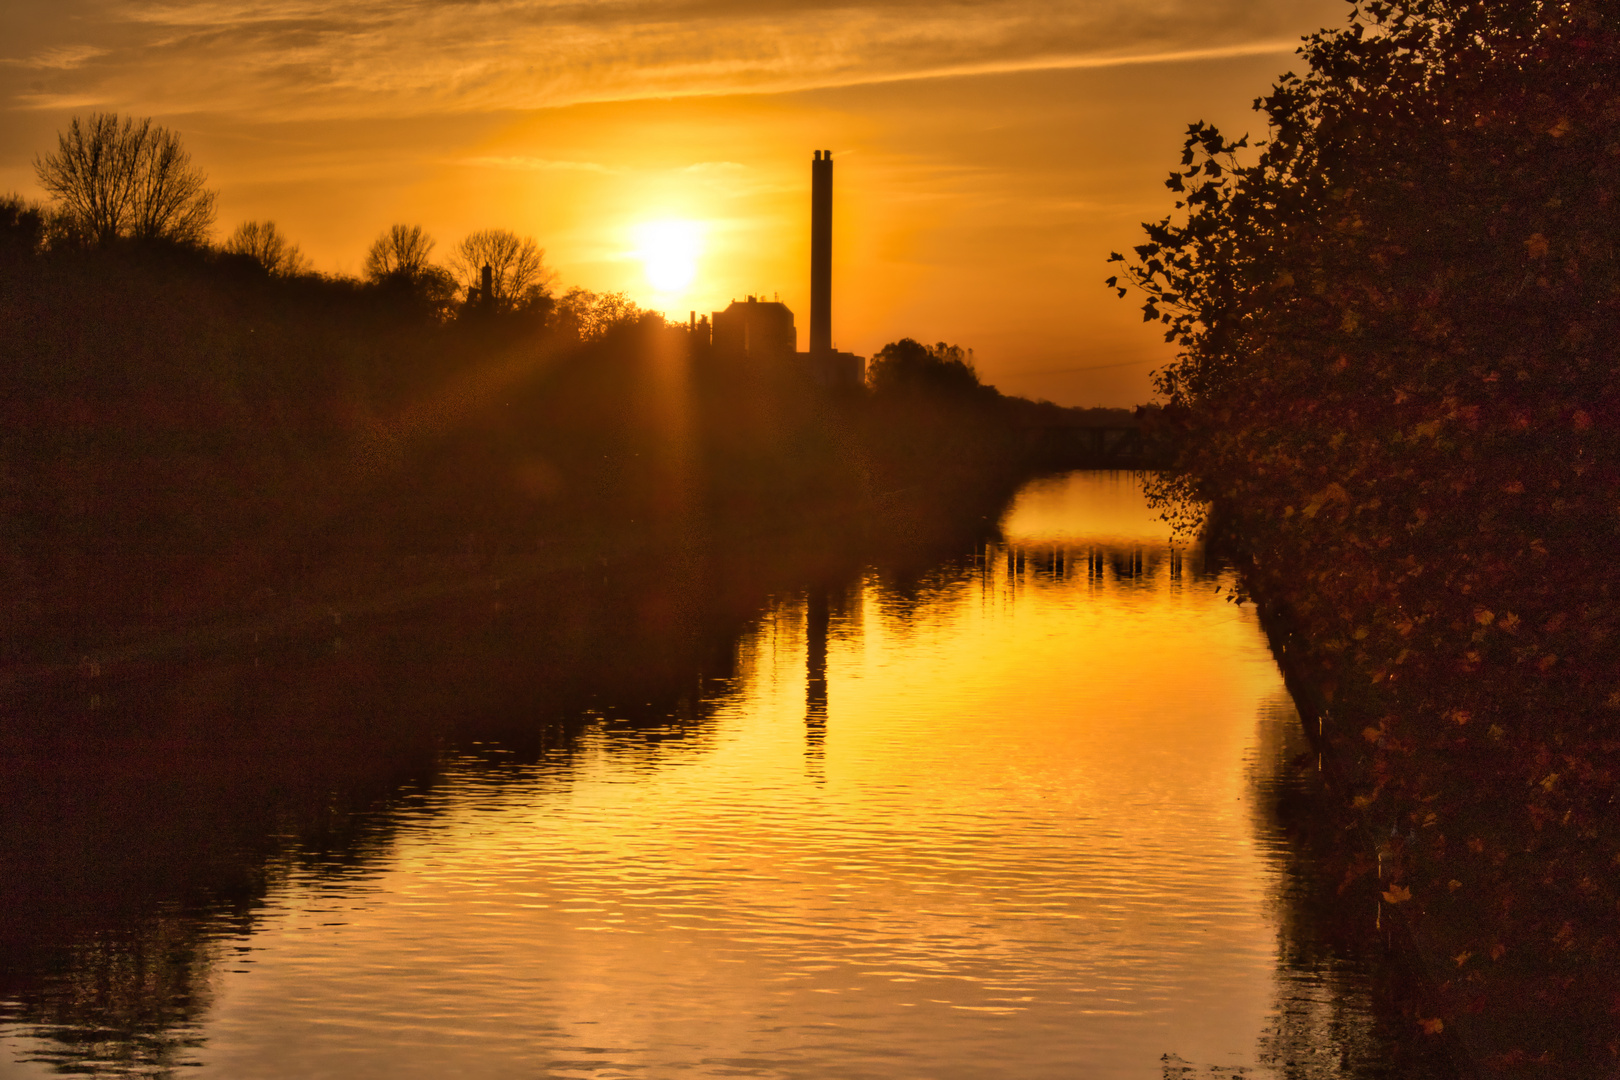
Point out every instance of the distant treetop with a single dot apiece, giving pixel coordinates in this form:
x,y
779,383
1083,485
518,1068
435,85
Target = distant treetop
x,y
908,365
267,245
403,251
400,262
519,276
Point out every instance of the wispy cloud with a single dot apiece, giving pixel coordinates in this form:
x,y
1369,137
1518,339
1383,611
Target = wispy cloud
x,y
391,57
524,163
57,58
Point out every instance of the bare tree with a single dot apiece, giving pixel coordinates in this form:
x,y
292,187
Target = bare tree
x,y
261,240
518,273
400,262
116,178
402,253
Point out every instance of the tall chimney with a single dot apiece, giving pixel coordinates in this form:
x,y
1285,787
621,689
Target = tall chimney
x,y
821,253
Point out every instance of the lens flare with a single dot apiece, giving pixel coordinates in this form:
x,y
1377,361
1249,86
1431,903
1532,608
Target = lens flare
x,y
669,252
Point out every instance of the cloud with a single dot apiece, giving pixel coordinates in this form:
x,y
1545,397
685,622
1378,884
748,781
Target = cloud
x,y
58,58
355,58
526,163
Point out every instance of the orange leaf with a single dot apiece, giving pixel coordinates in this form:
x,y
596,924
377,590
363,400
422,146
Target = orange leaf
x,y
1397,894
1333,492
1432,1027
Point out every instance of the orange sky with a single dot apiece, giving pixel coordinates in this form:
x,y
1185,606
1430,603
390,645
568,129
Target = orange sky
x,y
989,154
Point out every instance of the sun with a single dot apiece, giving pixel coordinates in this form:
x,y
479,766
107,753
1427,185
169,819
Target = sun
x,y
669,251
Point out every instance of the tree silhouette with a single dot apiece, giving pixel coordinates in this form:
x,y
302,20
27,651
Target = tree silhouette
x,y
1398,383
518,274
263,242
400,262
404,251
22,226
908,365
591,316
115,178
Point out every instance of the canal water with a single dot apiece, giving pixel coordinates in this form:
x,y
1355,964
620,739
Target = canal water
x,y
1010,815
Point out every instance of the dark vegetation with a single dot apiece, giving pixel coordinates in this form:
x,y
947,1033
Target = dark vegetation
x,y
1398,387
195,434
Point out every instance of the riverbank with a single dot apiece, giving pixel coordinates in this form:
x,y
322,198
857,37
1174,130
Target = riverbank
x,y
1500,910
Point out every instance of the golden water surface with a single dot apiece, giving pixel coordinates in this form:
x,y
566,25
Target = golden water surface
x,y
1000,821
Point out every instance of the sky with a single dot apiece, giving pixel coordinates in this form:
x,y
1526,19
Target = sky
x,y
988,155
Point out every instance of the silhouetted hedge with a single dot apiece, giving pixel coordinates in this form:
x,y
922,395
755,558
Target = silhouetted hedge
x,y
1399,387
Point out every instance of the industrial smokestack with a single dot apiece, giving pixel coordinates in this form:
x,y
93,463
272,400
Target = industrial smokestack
x,y
821,253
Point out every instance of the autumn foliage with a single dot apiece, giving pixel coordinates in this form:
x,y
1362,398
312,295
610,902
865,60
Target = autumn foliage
x,y
1398,386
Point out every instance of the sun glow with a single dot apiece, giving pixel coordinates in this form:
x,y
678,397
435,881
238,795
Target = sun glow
x,y
669,252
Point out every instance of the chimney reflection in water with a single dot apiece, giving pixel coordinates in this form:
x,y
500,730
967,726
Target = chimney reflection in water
x,y
817,617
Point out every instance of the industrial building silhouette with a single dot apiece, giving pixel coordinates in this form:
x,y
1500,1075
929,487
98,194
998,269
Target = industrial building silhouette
x,y
762,331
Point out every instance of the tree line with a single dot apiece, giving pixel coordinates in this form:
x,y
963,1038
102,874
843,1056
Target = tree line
x,y
115,180
118,180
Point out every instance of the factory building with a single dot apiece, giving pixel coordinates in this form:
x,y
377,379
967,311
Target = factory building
x,y
758,330
762,331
